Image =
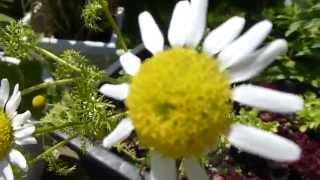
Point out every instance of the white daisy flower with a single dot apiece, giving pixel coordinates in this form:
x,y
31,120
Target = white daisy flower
x,y
15,129
179,99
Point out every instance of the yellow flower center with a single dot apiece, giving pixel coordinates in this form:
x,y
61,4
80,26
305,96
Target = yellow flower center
x,y
38,101
179,103
6,135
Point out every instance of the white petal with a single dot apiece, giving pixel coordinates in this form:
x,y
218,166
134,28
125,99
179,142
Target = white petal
x,y
26,20
194,171
162,168
26,141
116,91
25,132
16,158
11,60
288,2
20,119
180,24
151,35
198,20
245,44
120,133
130,63
13,103
267,99
264,144
252,66
6,170
223,35
4,92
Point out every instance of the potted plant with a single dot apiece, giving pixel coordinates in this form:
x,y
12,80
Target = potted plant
x,y
83,104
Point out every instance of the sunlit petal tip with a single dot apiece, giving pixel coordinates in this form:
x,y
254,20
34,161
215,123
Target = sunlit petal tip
x,y
282,44
11,60
6,170
179,24
118,92
264,144
26,141
198,21
24,132
4,92
130,63
267,99
120,133
20,119
150,33
245,44
13,103
254,63
224,34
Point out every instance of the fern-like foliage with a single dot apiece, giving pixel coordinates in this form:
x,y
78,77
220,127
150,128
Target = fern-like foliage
x,y
57,165
82,111
17,40
309,118
251,118
300,25
94,16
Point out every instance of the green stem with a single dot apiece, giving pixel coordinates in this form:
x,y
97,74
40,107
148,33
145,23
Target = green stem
x,y
110,79
51,149
61,61
114,25
54,128
46,84
119,115
57,59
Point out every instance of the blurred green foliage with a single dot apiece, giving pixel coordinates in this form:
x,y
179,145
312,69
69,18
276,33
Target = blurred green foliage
x,y
309,118
82,109
12,9
251,118
299,24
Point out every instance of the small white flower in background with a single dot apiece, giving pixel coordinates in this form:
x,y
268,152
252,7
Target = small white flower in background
x,y
7,59
15,129
10,60
179,99
287,2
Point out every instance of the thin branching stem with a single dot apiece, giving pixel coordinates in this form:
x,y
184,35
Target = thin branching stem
x,y
114,26
47,84
41,131
51,149
61,61
57,59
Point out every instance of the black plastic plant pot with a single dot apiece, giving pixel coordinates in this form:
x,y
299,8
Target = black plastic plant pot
x,y
101,163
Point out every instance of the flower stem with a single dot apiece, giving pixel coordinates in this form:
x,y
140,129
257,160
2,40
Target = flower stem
x,y
56,58
114,25
40,131
46,84
61,61
51,149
